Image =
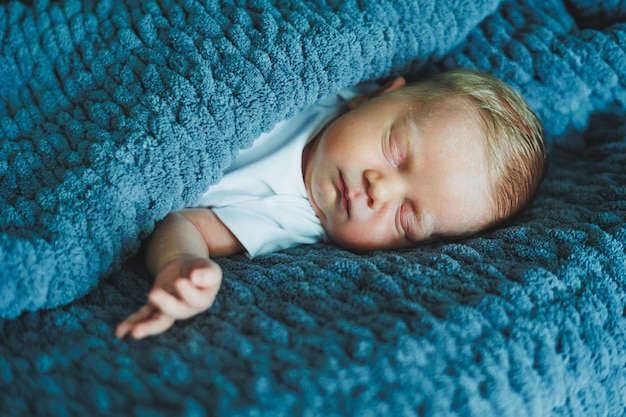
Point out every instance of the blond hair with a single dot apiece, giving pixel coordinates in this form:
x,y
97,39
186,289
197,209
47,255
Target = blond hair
x,y
514,137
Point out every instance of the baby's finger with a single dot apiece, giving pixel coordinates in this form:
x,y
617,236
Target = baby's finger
x,y
208,274
195,297
159,323
169,304
124,327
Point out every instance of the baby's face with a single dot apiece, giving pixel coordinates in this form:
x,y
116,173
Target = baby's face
x,y
397,171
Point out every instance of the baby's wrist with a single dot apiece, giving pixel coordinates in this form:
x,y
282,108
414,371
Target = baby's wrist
x,y
179,261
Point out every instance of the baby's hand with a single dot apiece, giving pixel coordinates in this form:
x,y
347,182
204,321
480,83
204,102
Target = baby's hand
x,y
182,289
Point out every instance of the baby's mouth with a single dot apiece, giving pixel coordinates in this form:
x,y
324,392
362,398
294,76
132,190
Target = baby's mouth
x,y
343,188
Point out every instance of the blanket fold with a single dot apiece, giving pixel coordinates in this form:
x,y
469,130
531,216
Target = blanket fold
x,y
117,112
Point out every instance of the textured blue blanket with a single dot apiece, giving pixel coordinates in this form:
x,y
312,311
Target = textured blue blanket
x,y
114,113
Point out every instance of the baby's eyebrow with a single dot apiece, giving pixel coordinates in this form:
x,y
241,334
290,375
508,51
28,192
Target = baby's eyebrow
x,y
412,128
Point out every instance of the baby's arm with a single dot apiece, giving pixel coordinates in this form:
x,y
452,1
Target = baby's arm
x,y
187,280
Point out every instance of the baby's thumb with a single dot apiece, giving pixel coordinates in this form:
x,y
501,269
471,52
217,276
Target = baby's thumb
x,y
204,278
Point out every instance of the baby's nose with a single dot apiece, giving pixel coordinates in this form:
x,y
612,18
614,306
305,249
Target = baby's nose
x,y
383,189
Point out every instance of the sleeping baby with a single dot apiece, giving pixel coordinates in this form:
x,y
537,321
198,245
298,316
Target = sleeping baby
x,y
395,167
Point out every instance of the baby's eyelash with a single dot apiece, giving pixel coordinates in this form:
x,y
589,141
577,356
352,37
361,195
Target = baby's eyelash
x,y
394,151
402,214
408,220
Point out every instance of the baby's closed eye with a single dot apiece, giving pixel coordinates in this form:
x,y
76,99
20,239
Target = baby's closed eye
x,y
394,149
407,219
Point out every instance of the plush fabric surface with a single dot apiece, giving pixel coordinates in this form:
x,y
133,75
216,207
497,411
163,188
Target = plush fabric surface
x,y
115,113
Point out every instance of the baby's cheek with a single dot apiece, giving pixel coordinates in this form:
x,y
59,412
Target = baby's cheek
x,y
359,237
337,235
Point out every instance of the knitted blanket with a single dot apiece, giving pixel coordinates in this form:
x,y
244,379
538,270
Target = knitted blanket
x,y
114,113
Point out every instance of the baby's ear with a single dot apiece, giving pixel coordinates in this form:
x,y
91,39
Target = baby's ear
x,y
393,85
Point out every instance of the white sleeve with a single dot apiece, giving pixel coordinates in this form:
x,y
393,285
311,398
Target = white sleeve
x,y
267,225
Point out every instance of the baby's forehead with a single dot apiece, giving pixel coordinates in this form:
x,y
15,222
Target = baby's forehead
x,y
467,133
446,100
454,108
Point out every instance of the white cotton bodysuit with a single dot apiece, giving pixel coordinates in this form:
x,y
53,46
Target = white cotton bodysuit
x,y
262,197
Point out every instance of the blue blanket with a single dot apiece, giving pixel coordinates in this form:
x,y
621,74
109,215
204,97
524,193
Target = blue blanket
x,y
114,113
